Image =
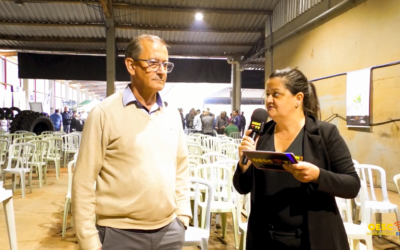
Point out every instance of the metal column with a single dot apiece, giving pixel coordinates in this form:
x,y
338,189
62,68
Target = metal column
x,y
111,52
237,84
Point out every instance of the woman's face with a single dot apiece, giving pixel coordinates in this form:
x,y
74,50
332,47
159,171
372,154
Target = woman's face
x,y
279,102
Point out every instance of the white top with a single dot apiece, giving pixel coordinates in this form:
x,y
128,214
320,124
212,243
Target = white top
x,y
197,123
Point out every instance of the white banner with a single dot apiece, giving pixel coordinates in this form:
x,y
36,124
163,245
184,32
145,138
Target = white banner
x,y
358,97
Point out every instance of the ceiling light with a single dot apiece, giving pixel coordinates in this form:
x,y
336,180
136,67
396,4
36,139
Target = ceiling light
x,y
199,16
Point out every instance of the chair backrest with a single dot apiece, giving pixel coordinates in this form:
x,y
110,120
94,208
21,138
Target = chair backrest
x,y
20,131
4,144
217,174
79,134
194,149
25,134
235,135
70,165
238,141
209,144
355,162
47,133
200,159
213,157
396,179
199,185
240,205
231,150
55,146
344,205
71,141
192,167
24,139
42,150
366,174
23,153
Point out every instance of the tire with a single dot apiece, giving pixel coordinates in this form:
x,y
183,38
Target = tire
x,y
2,114
8,113
41,124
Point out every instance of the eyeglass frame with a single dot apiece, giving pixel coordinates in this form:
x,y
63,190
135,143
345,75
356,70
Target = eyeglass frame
x,y
159,64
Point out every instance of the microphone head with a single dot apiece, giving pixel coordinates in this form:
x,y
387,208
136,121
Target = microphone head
x,y
258,118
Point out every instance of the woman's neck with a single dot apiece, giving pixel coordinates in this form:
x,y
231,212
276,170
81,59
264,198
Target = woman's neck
x,y
290,125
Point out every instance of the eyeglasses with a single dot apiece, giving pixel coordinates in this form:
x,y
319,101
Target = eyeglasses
x,y
154,65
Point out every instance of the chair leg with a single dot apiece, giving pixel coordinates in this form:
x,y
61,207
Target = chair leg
x,y
57,165
378,219
204,244
368,242
64,225
65,158
242,245
235,227
30,181
45,173
203,218
23,184
223,220
14,182
40,173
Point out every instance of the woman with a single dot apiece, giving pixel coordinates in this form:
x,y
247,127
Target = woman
x,y
296,209
222,122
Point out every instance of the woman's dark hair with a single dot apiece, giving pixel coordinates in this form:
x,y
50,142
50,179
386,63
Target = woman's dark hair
x,y
297,82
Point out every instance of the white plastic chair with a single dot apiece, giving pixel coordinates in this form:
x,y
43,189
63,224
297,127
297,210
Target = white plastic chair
x,y
242,225
22,152
54,155
360,232
209,144
4,144
230,150
213,157
67,204
200,159
21,131
197,236
215,173
47,133
39,159
235,135
195,149
375,207
70,145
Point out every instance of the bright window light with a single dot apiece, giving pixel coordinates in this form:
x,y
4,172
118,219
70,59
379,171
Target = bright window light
x,y
199,16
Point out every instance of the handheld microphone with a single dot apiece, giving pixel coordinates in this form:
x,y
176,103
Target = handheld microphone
x,y
258,119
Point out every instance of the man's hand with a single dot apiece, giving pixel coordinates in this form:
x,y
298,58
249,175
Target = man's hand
x,y
303,171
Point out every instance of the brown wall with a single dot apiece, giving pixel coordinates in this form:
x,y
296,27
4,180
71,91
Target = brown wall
x,y
364,36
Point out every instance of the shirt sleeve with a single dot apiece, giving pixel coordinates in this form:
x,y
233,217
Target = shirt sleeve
x,y
89,163
182,185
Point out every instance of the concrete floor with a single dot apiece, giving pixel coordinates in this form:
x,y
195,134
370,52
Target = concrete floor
x,y
39,215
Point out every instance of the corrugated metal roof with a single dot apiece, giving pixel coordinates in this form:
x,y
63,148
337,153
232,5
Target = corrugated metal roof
x,y
51,12
186,19
221,4
42,31
58,45
183,36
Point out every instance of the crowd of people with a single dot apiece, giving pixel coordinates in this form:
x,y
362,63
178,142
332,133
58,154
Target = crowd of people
x,y
68,120
205,122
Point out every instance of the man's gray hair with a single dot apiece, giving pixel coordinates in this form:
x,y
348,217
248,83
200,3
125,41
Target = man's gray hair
x,y
134,48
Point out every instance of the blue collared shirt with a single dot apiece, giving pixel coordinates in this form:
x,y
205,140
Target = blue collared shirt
x,y
128,97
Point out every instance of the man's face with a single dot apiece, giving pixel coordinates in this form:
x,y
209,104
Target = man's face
x,y
65,109
144,77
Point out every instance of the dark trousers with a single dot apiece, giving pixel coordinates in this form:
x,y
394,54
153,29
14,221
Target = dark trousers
x,y
170,237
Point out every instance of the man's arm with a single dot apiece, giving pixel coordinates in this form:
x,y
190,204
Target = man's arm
x,y
182,184
90,161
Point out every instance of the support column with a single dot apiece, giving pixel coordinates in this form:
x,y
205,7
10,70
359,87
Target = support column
x,y
111,52
237,84
78,94
27,91
51,88
67,91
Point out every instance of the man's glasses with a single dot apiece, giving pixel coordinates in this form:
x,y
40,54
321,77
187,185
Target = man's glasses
x,y
154,65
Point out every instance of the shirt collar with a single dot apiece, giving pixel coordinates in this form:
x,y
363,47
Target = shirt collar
x,y
128,97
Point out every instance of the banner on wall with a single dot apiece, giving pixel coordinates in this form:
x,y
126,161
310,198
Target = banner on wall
x,y
357,98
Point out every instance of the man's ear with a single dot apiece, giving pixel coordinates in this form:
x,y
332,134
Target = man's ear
x,y
130,66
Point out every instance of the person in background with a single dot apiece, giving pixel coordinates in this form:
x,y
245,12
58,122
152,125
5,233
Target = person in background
x,y
66,118
183,119
197,125
207,123
222,122
236,119
230,128
243,123
292,209
76,122
189,118
134,149
83,115
56,119
166,104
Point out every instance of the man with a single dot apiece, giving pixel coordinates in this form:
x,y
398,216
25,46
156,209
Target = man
x,y
56,119
230,128
134,149
197,125
221,123
183,119
66,118
76,122
236,119
207,123
243,123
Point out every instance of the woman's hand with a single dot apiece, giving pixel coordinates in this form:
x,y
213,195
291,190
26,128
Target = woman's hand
x,y
303,171
247,144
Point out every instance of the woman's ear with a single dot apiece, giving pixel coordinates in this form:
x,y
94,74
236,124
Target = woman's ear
x,y
299,99
130,66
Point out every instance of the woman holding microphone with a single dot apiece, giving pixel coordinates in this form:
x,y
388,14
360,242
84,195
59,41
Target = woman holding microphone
x,y
296,208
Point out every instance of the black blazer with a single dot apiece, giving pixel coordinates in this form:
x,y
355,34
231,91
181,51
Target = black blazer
x,y
324,147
